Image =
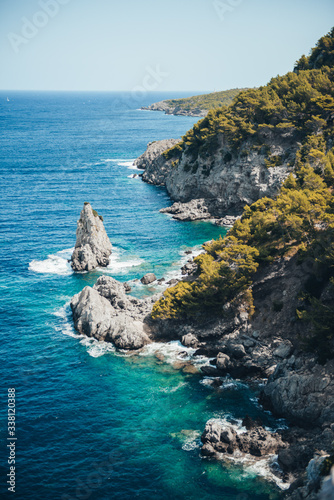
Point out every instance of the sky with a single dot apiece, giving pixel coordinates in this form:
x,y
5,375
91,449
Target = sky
x,y
174,45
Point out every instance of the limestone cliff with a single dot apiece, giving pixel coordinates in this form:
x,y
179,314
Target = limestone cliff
x,y
93,247
224,181
155,165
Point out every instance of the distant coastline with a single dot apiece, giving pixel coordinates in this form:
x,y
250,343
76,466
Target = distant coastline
x,y
198,105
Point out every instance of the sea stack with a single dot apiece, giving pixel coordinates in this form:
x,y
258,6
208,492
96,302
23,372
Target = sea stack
x,y
93,247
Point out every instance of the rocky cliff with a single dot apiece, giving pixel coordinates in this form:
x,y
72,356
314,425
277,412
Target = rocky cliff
x,y
155,165
170,108
222,181
92,247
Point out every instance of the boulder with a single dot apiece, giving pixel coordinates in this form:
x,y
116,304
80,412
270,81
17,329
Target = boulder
x,y
284,350
236,351
128,334
223,361
92,247
148,278
172,282
190,340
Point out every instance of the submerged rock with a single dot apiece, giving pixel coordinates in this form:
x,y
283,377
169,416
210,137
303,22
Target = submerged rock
x,y
93,247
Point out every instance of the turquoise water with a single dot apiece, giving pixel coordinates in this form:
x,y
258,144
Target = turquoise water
x,y
93,423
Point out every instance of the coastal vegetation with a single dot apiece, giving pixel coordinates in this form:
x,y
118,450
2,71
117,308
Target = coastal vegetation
x,y
205,102
298,222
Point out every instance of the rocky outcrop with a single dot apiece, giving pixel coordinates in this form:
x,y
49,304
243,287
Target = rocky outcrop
x,y
193,210
154,163
219,438
313,486
302,391
175,109
224,181
106,313
93,247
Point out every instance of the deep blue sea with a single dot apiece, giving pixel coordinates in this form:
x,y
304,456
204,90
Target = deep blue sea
x,y
92,423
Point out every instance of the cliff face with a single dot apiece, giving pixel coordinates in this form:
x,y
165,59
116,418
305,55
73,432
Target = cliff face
x,y
155,165
226,181
93,247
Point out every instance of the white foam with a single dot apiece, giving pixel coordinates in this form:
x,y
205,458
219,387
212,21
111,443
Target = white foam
x,y
118,160
192,442
226,384
66,323
175,272
170,390
128,164
173,351
120,263
256,467
133,176
97,348
54,264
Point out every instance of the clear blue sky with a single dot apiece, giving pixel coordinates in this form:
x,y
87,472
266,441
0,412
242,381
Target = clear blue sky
x,y
199,45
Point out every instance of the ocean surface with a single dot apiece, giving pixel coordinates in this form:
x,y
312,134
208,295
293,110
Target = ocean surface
x,y
92,423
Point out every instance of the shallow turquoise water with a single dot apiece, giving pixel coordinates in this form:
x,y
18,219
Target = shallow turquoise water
x,y
92,423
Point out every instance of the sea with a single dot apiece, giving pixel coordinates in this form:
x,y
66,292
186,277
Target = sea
x,y
92,422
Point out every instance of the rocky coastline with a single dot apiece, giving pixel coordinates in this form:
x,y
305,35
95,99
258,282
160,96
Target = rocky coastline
x,y
219,184
170,109
266,347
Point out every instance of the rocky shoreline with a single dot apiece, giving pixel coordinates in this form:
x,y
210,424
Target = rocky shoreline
x,y
266,347
177,110
296,386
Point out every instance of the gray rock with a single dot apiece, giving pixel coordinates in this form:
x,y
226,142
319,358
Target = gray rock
x,y
93,247
155,164
190,340
128,334
237,351
193,210
107,314
223,438
304,395
92,314
111,289
223,361
148,278
327,487
284,350
189,268
172,282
